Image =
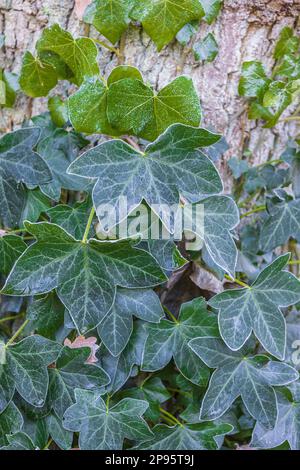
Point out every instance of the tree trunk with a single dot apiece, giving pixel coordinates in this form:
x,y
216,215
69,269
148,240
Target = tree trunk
x,y
245,30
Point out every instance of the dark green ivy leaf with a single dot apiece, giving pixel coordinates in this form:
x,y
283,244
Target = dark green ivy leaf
x,y
70,372
84,274
116,328
59,434
238,374
103,428
256,308
170,166
46,315
170,339
163,19
72,219
11,421
200,436
19,441
11,248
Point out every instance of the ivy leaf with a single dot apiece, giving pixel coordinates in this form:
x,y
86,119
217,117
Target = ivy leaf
x,y
19,441
58,150
287,427
124,71
36,202
72,219
58,111
212,9
80,55
206,50
254,81
11,421
25,369
166,254
257,308
11,88
133,107
109,17
286,44
220,216
116,328
84,274
19,163
187,32
72,371
11,248
186,437
276,99
120,368
103,428
59,435
37,78
170,339
46,315
170,166
283,223
238,374
162,19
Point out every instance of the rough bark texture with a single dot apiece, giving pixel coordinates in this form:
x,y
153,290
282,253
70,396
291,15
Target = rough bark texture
x,y
245,30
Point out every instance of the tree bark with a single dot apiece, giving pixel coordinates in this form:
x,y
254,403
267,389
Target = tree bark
x,y
245,30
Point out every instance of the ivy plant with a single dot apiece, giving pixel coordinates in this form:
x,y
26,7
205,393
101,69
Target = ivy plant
x,y
113,340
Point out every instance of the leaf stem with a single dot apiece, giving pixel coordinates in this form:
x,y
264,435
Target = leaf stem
x,y
290,118
11,317
270,162
48,444
253,211
88,225
294,262
107,403
171,417
107,46
172,317
17,333
237,281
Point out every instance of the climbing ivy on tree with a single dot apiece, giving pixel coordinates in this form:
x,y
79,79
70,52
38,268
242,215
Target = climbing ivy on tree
x,y
99,349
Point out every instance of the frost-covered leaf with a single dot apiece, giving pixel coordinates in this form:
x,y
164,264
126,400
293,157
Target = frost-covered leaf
x,y
283,223
59,434
287,427
37,78
11,422
170,166
162,19
71,371
200,436
116,328
19,163
104,428
256,308
170,339
207,49
36,202
58,150
238,374
72,219
133,107
25,369
84,274
80,55
109,17
19,441
11,248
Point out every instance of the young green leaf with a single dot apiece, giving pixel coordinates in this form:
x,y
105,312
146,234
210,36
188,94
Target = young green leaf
x,y
133,107
116,328
71,372
212,9
124,71
11,88
109,17
237,374
84,274
104,428
162,19
37,78
254,81
287,43
256,308
200,436
80,55
170,166
170,339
